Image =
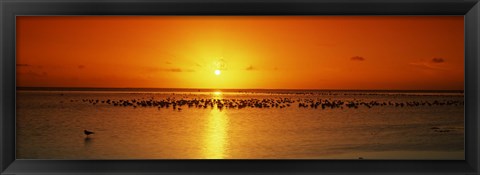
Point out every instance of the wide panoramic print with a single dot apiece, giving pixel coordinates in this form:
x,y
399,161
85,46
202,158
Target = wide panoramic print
x,y
240,87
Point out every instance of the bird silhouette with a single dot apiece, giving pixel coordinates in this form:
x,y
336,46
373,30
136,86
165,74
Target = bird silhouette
x,y
88,132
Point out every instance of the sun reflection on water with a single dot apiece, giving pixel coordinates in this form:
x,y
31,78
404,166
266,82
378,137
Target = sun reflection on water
x,y
216,137
217,94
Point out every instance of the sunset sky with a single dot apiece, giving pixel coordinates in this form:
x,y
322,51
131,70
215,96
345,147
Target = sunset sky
x,y
242,52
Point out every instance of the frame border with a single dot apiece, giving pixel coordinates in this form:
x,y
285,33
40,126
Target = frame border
x,y
9,9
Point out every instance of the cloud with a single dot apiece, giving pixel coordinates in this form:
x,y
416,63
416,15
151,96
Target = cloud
x,y
29,66
438,60
179,70
156,69
81,66
34,74
250,68
174,70
23,65
427,66
168,62
357,58
433,64
220,64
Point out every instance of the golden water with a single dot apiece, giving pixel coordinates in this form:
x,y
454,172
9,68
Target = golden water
x,y
50,125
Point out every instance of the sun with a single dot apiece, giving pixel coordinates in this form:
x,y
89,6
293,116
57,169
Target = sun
x,y
217,72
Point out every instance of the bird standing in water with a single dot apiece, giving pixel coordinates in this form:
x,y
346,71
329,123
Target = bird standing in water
x,y
88,132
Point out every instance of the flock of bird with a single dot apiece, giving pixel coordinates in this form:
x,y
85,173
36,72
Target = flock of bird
x,y
264,103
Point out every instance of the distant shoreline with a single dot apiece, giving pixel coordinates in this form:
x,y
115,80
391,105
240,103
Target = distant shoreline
x,y
224,90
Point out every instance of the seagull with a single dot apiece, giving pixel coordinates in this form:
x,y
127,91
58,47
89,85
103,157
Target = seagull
x,y
88,132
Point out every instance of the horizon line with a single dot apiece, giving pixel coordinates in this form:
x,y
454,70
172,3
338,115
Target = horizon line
x,y
279,89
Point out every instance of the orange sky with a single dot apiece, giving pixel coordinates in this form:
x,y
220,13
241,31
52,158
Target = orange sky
x,y
274,52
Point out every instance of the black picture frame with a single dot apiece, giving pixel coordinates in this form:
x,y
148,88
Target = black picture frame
x,y
9,9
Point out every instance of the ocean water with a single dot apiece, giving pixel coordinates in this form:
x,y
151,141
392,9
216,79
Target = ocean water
x,y
50,124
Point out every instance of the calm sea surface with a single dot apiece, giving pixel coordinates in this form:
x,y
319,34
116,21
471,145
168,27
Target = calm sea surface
x,y
376,125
